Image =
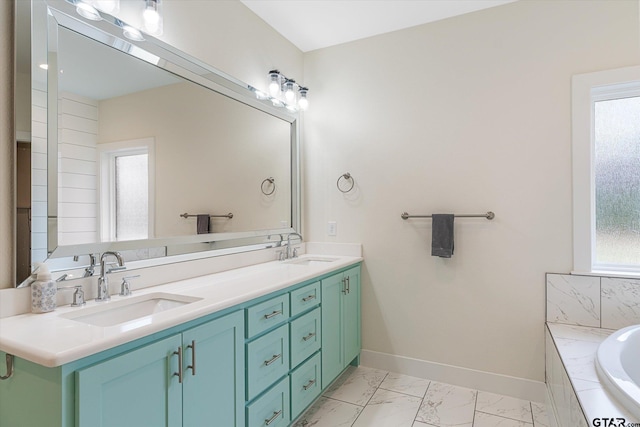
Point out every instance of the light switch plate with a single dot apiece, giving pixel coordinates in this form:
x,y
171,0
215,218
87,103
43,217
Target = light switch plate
x,y
332,228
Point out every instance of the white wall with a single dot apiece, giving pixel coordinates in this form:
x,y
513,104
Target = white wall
x,y
464,115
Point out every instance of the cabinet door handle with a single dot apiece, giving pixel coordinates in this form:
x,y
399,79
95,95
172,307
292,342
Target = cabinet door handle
x,y
309,298
348,284
179,373
308,337
273,418
273,359
308,385
344,286
274,314
192,346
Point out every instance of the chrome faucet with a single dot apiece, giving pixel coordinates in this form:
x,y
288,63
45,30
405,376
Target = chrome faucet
x,y
288,254
103,281
88,272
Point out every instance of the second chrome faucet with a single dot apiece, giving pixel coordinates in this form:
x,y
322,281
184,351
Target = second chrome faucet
x,y
103,281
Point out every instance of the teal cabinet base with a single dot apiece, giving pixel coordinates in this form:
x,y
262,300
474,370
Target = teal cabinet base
x,y
272,408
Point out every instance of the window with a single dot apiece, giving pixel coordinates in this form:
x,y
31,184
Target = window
x,y
126,190
606,171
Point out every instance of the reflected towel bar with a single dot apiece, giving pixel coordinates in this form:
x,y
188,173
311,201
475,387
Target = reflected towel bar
x,y
489,215
187,215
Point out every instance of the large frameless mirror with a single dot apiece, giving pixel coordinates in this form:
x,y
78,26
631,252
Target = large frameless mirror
x,y
139,148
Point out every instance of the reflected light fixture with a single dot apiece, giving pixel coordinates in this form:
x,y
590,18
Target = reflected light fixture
x,y
283,92
132,33
108,6
86,10
152,21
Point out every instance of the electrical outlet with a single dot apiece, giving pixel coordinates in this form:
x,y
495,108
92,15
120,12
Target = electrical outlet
x,y
332,228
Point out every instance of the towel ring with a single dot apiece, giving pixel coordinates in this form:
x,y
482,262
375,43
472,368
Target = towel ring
x,y
347,177
273,184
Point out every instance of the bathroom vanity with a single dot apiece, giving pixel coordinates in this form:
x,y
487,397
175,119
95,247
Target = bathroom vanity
x,y
252,346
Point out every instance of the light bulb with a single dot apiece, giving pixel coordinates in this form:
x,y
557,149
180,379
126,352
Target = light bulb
x,y
303,102
152,18
87,11
274,82
289,94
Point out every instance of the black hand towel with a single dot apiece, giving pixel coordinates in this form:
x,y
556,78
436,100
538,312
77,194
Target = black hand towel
x,y
203,224
442,235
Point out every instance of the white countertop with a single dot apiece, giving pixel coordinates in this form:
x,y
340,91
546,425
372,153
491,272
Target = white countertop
x,y
52,340
577,346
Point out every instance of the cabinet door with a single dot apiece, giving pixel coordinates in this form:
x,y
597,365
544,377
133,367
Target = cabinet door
x,y
213,387
132,390
332,351
351,315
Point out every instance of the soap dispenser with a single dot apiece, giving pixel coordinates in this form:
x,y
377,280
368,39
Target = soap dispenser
x,y
43,292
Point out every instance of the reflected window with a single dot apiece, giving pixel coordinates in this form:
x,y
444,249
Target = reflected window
x,y
131,196
126,190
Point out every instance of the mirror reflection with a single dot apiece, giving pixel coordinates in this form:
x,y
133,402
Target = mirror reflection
x,y
139,146
144,160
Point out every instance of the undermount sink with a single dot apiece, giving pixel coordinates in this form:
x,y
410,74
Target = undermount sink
x,y
135,311
312,260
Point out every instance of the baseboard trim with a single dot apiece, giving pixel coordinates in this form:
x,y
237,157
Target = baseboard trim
x,y
464,377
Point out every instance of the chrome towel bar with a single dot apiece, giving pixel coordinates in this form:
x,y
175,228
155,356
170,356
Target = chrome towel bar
x,y
489,215
187,215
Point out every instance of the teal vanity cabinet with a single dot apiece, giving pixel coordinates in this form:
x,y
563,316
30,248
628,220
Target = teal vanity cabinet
x,y
191,379
340,323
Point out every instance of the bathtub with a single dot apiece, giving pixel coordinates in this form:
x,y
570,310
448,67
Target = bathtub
x,y
618,366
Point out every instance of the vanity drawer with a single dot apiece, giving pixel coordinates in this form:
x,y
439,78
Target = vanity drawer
x,y
305,385
269,313
272,409
304,298
267,360
305,336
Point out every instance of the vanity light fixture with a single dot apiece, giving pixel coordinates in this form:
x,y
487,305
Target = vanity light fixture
x,y
303,102
152,17
274,82
283,92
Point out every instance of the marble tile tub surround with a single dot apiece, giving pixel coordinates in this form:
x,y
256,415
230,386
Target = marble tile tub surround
x,y
601,302
18,301
572,378
365,397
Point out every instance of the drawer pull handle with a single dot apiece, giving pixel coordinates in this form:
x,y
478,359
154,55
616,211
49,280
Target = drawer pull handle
x,y
273,359
273,418
179,373
274,314
309,298
308,337
309,384
192,346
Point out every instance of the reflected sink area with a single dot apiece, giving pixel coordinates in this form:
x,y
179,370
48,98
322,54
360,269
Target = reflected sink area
x,y
134,312
312,260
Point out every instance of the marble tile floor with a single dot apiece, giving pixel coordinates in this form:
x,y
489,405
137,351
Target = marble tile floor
x,y
366,397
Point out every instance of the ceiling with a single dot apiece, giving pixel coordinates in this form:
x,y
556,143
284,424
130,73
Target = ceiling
x,y
315,24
